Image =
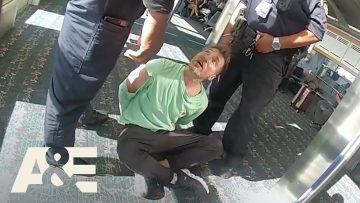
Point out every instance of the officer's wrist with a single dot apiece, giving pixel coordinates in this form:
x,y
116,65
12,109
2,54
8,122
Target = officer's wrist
x,y
276,43
227,34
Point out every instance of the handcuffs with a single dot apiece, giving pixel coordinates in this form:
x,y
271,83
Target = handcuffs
x,y
250,51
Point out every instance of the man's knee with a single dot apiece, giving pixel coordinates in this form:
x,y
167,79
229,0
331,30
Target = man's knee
x,y
214,145
125,148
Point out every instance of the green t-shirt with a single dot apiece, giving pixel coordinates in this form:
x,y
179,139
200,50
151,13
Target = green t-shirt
x,y
161,102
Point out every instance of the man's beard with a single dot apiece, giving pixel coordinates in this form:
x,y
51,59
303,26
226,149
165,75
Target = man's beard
x,y
195,71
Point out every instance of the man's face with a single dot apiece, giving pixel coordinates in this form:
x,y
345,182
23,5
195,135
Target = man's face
x,y
207,64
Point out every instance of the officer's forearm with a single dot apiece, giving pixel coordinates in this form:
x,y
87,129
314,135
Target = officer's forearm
x,y
300,39
229,29
153,33
227,35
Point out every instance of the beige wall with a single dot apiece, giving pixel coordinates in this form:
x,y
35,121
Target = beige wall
x,y
8,15
9,11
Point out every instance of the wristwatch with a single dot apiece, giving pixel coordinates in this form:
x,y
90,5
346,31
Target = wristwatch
x,y
276,43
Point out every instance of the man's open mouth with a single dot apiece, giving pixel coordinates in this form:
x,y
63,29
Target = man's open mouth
x,y
200,64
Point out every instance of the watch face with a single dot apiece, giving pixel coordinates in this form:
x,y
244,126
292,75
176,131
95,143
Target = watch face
x,y
276,45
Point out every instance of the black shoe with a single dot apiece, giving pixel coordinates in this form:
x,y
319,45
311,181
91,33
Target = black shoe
x,y
221,168
76,161
187,180
96,117
148,188
201,170
233,161
226,167
85,161
81,161
315,125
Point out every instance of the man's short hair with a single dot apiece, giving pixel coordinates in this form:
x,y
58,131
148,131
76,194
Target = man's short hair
x,y
225,52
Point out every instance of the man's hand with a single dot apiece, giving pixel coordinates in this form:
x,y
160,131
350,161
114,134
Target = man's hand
x,y
264,43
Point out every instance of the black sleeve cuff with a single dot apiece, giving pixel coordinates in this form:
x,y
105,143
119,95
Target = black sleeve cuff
x,y
163,6
317,30
317,24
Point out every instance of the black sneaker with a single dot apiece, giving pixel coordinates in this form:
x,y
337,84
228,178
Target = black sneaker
x,y
81,161
226,167
315,125
221,168
187,180
148,188
202,170
96,117
234,161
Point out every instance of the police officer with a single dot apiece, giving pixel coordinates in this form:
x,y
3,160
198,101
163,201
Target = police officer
x,y
282,25
91,39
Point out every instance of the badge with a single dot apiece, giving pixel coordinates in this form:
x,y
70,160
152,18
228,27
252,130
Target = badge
x,y
263,9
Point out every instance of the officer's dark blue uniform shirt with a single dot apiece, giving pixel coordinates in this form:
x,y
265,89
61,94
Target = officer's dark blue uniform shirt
x,y
133,9
300,15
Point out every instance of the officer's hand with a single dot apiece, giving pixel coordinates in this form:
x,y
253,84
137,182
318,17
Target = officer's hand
x,y
264,43
139,56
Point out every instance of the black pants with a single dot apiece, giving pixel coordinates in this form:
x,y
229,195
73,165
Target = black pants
x,y
260,77
142,149
85,54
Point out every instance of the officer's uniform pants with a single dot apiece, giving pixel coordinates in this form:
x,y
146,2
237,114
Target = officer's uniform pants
x,y
85,54
142,149
260,77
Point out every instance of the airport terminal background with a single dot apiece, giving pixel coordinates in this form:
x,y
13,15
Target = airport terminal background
x,y
282,135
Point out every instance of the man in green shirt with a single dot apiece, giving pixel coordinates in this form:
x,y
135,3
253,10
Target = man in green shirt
x,y
154,99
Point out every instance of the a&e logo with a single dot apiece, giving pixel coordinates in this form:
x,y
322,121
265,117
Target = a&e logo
x,y
37,155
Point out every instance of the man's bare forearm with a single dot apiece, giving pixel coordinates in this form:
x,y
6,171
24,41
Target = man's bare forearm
x,y
136,78
303,38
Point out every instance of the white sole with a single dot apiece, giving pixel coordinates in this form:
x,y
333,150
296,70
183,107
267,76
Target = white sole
x,y
191,175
